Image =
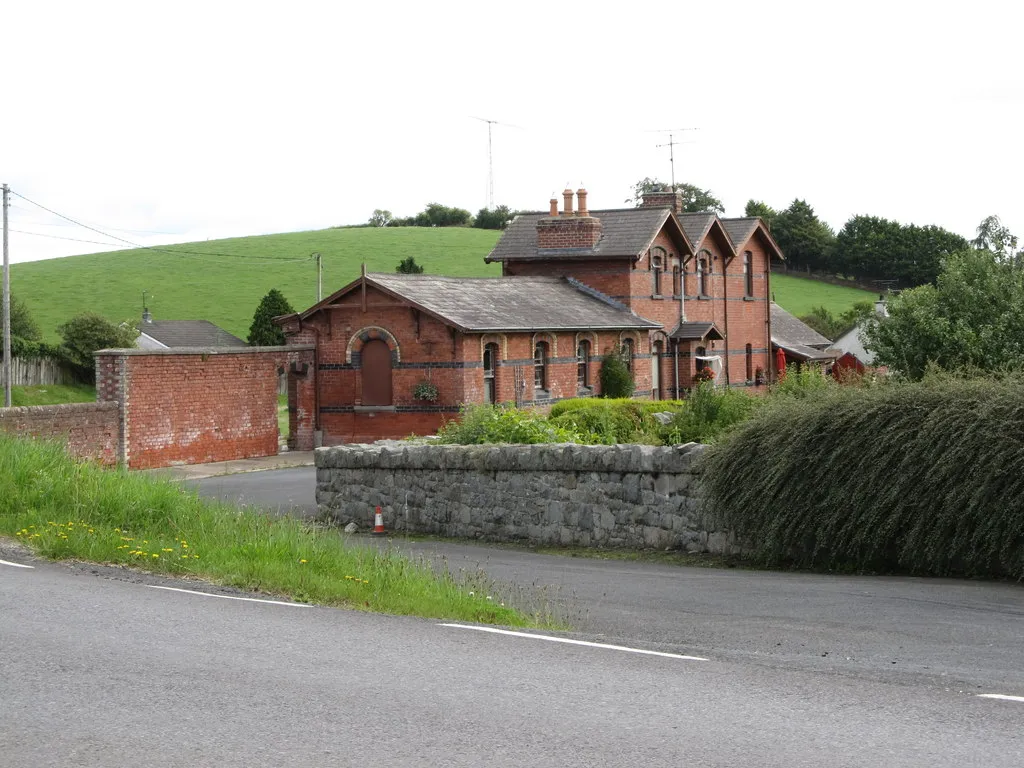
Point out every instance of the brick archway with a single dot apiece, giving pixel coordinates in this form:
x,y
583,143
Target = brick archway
x,y
494,338
369,333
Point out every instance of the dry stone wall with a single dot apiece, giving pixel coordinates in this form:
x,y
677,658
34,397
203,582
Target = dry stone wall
x,y
634,496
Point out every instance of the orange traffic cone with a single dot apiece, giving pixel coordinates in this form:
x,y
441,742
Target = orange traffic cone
x,y
378,523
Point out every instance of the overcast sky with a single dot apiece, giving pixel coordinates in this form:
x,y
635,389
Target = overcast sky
x,y
216,119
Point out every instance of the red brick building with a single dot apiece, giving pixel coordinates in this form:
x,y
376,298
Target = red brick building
x,y
676,292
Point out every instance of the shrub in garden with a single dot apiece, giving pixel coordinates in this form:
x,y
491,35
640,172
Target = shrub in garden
x,y
611,421
616,380
925,477
479,424
707,413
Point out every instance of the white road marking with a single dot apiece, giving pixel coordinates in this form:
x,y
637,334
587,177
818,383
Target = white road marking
x,y
16,565
551,639
230,597
1002,696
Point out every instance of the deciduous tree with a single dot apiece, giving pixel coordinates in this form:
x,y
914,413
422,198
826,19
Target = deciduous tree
x,y
380,218
972,317
695,199
496,219
22,324
88,332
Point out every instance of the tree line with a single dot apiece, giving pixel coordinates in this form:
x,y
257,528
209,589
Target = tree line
x,y
866,248
437,215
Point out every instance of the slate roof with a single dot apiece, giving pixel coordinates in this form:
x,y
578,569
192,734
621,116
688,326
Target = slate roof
x,y
625,232
797,337
695,330
741,230
478,304
696,225
190,333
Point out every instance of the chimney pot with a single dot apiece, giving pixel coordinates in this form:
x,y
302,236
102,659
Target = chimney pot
x,y
554,207
581,195
567,196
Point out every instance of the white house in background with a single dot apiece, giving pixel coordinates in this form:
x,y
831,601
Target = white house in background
x,y
849,347
162,334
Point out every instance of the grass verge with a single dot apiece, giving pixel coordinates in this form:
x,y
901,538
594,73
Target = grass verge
x,y
53,394
62,509
282,416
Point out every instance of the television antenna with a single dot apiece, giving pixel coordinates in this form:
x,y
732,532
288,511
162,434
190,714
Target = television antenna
x,y
671,144
490,156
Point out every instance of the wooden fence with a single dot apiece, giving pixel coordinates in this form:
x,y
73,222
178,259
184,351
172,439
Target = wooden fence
x,y
25,372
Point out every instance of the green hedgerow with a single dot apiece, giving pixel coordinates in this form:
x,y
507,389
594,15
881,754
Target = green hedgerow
x,y
925,477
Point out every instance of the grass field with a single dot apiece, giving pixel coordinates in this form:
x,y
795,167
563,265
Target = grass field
x,y
225,285
799,295
225,289
53,394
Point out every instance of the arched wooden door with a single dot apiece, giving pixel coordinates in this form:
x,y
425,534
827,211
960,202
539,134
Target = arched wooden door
x,y
376,364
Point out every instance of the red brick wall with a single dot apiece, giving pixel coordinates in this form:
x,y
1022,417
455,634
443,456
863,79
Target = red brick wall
x,y
192,407
90,430
745,321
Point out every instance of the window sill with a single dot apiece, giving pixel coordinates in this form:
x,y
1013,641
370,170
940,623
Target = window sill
x,y
750,298
374,409
658,297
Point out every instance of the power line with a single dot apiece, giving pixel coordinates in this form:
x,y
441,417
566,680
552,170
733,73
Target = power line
x,y
36,223
74,239
177,250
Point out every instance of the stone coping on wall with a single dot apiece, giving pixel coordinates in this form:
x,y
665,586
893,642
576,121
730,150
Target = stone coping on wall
x,y
548,457
41,411
206,350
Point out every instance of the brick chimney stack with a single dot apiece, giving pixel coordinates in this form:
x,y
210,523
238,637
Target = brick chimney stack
x,y
579,231
665,199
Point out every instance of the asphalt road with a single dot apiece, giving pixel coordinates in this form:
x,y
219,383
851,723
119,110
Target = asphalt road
x,y
939,632
98,671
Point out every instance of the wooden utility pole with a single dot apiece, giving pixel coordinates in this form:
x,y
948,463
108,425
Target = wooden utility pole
x,y
7,309
319,277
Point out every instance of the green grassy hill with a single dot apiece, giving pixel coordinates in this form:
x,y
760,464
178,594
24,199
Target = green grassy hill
x,y
800,295
225,285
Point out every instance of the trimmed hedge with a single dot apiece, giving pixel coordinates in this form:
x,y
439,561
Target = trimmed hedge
x,y
926,478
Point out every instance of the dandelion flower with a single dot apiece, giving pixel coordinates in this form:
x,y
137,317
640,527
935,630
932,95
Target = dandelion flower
x,y
156,555
302,561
